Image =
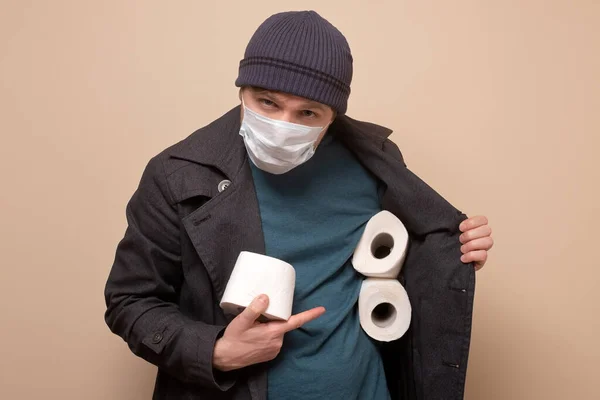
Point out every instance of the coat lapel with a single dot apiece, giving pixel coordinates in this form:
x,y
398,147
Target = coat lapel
x,y
440,287
416,204
225,226
230,222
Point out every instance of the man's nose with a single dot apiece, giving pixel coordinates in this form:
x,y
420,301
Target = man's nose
x,y
288,116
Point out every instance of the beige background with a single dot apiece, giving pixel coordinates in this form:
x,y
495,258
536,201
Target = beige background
x,y
494,103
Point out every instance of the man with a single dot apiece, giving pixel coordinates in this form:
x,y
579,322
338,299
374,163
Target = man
x,y
287,174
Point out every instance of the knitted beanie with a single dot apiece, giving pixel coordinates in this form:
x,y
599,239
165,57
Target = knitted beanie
x,y
300,53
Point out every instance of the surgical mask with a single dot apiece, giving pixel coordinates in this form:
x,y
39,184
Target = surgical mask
x,y
277,146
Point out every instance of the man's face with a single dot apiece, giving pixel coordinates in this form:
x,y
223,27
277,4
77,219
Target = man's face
x,y
287,107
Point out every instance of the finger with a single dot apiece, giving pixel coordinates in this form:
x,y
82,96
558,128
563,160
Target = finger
x,y
296,321
472,223
476,233
484,243
247,318
479,256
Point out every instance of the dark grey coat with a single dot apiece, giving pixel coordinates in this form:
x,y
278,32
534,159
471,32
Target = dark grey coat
x,y
184,236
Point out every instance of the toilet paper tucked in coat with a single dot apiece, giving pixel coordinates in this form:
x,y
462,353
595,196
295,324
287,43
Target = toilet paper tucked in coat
x,y
382,248
384,309
256,274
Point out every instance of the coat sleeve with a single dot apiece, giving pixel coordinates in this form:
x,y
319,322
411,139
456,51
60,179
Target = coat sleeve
x,y
143,288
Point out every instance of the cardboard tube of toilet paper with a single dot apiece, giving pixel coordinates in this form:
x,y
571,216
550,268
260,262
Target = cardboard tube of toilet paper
x,y
381,250
255,274
384,309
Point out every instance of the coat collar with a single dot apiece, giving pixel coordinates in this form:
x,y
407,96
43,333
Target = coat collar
x,y
219,144
349,128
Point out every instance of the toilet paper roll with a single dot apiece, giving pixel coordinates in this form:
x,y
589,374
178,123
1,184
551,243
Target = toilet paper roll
x,y
381,250
255,274
383,309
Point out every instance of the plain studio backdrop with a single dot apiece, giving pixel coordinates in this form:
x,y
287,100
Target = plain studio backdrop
x,y
496,104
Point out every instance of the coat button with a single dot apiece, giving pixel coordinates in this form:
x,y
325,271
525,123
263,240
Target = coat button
x,y
223,185
157,338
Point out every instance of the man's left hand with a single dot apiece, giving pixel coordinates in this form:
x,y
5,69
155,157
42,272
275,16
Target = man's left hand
x,y
476,240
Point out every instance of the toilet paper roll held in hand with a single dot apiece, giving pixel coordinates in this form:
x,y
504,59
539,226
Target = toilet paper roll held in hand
x,y
381,250
255,274
384,309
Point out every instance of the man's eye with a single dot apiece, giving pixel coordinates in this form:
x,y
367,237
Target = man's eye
x,y
267,102
308,113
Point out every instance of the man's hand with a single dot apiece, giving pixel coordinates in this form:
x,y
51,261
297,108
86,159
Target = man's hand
x,y
476,240
247,341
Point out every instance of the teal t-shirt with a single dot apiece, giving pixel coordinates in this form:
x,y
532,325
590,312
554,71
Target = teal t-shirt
x,y
313,218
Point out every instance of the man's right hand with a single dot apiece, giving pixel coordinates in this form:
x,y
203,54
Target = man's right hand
x,y
247,341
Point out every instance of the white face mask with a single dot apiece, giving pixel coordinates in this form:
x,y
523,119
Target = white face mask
x,y
277,146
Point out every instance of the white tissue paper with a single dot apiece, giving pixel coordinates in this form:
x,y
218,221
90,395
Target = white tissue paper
x,y
255,274
381,250
383,309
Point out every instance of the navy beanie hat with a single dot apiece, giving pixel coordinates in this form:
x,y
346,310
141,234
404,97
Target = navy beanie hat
x,y
301,53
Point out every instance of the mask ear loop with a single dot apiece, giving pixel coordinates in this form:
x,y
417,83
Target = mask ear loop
x,y
244,108
249,110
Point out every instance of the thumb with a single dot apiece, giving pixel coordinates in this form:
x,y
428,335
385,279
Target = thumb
x,y
245,320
